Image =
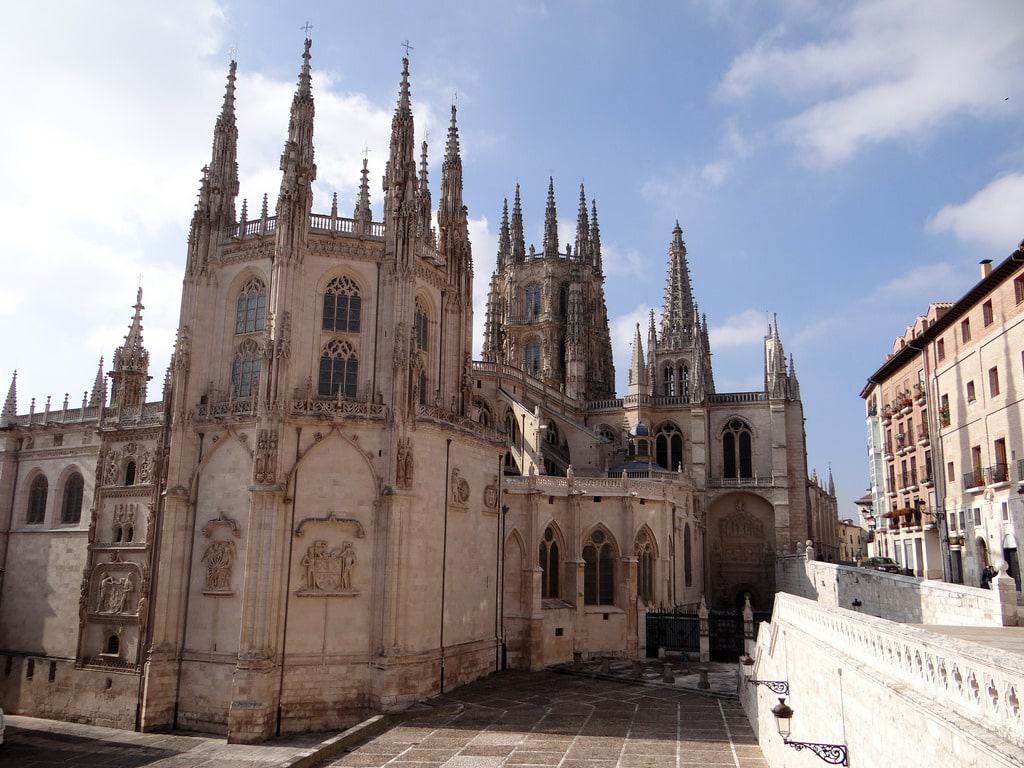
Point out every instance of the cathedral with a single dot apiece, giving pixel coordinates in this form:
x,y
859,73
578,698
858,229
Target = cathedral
x,y
334,509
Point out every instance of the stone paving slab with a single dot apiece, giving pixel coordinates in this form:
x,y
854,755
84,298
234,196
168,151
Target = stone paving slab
x,y
31,742
722,678
546,719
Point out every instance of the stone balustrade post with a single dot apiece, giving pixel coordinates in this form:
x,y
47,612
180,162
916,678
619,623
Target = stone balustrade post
x,y
1006,590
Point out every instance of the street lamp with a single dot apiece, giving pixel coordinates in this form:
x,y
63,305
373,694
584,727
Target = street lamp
x,y
780,687
833,754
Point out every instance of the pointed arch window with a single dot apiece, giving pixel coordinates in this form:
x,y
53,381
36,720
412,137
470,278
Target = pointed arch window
x,y
737,459
37,500
548,561
669,447
423,386
129,473
251,308
532,303
669,378
245,369
687,556
531,360
643,548
342,306
339,370
598,570
684,381
71,507
420,326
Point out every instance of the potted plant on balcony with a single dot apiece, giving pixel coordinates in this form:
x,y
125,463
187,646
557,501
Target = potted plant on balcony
x,y
944,416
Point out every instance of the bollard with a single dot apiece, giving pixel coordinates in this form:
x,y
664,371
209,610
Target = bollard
x,y
703,684
606,667
666,674
577,659
638,670
686,665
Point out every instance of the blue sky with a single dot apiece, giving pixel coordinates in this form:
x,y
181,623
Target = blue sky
x,y
840,164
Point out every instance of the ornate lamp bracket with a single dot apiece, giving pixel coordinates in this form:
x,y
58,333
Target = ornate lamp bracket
x,y
833,754
780,687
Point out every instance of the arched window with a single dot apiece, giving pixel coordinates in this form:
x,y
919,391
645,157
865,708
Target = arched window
x,y
548,562
485,417
251,309
670,380
531,359
687,556
669,447
420,323
37,500
71,508
643,547
129,473
531,304
684,381
736,450
342,306
338,369
112,646
245,370
423,386
598,570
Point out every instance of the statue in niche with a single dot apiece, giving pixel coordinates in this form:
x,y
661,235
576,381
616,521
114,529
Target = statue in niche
x,y
145,465
113,593
219,558
404,464
266,456
328,571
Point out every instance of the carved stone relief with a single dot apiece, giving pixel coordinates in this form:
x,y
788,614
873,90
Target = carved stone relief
x,y
491,493
404,462
220,554
114,592
326,571
265,469
459,489
123,524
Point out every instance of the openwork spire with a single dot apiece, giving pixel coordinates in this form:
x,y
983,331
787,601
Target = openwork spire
x,y
219,186
652,340
130,371
450,210
11,402
298,169
595,237
98,396
637,365
362,213
582,229
504,237
400,175
678,314
518,238
551,223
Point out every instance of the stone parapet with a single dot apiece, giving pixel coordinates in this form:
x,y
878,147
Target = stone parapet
x,y
895,597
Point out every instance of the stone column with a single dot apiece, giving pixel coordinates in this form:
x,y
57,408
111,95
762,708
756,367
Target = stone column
x,y
1004,586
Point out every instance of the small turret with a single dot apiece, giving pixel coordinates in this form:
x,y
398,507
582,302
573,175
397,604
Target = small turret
x,y
130,371
295,200
504,238
595,238
637,366
362,214
98,396
582,229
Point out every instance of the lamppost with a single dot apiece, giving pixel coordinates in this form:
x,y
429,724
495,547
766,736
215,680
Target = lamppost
x,y
833,754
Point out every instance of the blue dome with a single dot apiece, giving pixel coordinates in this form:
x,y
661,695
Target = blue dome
x,y
640,430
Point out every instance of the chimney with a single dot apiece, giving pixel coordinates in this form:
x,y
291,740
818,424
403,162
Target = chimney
x,y
986,267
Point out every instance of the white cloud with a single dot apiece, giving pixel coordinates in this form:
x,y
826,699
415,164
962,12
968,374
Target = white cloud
x,y
628,263
935,282
740,330
887,71
992,216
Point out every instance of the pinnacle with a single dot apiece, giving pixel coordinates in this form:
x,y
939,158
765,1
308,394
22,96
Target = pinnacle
x,y
11,403
228,110
403,93
305,81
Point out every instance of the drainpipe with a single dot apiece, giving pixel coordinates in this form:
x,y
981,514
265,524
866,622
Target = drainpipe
x,y
188,586
499,608
444,548
288,581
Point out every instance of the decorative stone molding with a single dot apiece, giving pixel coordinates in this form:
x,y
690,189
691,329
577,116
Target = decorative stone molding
x,y
265,459
459,490
491,494
333,518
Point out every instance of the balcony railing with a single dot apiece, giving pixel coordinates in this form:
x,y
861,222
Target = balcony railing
x,y
974,478
909,480
741,482
998,473
922,434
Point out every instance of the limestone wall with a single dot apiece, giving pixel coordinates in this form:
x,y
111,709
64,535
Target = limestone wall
x,y
895,695
897,598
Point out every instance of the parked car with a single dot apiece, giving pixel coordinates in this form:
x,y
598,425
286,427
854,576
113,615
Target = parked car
x,y
886,564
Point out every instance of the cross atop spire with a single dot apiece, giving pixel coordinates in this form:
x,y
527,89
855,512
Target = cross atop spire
x,y
408,47
307,28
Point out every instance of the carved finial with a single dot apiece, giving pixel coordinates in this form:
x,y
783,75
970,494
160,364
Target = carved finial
x,y
582,229
551,223
595,237
516,233
11,402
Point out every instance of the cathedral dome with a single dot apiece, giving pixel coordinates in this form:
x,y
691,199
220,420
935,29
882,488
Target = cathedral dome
x,y
640,430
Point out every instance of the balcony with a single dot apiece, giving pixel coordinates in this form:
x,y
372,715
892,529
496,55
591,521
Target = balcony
x,y
974,480
741,482
909,481
928,481
887,451
998,473
920,398
922,435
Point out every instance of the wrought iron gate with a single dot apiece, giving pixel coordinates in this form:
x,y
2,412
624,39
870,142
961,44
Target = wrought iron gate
x,y
674,630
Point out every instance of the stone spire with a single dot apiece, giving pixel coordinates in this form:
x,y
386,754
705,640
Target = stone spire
x,y
222,188
831,482
794,383
362,214
295,200
595,237
450,210
11,402
400,174
518,238
504,238
130,371
678,312
98,396
637,366
775,374
652,341
423,198
582,250
551,223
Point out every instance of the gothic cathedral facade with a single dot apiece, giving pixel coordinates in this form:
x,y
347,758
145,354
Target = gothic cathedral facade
x,y
333,509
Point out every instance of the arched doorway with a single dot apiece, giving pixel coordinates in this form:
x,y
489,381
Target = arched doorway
x,y
982,549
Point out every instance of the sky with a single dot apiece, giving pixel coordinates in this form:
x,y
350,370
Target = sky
x,y
838,164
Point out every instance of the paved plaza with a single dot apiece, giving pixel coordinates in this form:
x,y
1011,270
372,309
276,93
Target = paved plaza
x,y
507,720
550,719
